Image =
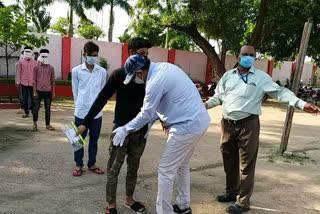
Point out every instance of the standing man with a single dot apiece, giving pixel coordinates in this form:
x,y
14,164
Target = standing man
x,y
88,79
43,88
25,79
240,92
173,98
128,104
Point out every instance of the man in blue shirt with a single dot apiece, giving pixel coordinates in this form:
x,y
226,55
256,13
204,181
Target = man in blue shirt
x,y
240,92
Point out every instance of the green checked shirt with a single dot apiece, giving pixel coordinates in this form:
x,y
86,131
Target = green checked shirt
x,y
241,96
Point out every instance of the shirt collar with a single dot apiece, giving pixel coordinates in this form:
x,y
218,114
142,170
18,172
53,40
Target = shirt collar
x,y
251,70
84,67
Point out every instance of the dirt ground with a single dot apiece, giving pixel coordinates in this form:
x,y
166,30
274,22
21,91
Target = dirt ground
x,y
35,168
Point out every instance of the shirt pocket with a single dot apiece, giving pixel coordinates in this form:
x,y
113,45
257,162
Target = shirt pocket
x,y
248,91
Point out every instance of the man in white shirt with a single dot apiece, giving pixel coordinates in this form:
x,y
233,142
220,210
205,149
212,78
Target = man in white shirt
x,y
173,98
88,79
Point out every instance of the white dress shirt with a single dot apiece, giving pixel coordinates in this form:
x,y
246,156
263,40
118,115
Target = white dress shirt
x,y
173,97
86,86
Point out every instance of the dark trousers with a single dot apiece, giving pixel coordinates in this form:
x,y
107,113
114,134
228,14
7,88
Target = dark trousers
x,y
94,128
27,97
47,98
133,148
239,147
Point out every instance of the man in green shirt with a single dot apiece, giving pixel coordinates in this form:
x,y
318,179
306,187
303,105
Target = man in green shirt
x,y
240,92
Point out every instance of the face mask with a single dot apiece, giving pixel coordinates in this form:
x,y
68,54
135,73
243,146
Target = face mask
x,y
91,60
43,58
137,80
27,54
246,61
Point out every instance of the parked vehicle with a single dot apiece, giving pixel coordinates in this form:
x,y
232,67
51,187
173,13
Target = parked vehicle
x,y
212,87
199,87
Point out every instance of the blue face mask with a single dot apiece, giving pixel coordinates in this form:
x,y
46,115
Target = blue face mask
x,y
91,60
246,61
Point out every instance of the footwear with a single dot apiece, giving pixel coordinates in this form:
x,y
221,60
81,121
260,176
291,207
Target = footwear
x,y
25,116
111,211
137,207
226,198
236,209
77,172
177,209
96,170
35,127
49,127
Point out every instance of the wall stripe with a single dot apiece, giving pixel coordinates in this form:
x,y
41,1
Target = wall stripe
x,y
125,54
209,72
171,56
66,57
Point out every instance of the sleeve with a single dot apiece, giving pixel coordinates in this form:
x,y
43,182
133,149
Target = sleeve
x,y
75,83
217,99
103,97
151,102
104,78
282,94
19,73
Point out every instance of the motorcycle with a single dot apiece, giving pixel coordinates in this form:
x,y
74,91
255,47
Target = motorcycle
x,y
199,87
212,87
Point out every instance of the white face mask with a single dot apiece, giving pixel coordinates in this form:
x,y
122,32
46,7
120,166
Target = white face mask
x,y
137,80
43,58
27,53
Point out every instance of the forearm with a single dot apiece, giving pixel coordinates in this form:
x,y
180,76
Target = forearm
x,y
34,88
213,102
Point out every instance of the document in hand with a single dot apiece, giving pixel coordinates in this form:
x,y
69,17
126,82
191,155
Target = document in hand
x,y
70,131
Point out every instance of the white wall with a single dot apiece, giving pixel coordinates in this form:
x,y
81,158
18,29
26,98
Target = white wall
x,y
193,63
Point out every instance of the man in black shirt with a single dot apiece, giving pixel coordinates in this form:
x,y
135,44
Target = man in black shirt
x,y
128,104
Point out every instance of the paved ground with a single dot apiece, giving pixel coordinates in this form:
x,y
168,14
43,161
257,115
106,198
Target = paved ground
x,y
35,168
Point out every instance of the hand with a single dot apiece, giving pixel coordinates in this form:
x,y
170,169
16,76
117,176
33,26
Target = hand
x,y
81,129
310,108
53,96
35,94
164,128
120,135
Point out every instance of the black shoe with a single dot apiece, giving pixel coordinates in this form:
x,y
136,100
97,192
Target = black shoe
x,y
226,198
177,209
236,209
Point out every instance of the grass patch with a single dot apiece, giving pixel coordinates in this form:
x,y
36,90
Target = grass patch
x,y
290,157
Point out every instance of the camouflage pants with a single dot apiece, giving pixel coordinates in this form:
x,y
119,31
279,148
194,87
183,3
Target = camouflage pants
x,y
133,148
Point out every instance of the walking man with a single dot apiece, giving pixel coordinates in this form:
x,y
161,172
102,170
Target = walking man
x,y
128,104
240,92
25,79
88,79
173,98
43,88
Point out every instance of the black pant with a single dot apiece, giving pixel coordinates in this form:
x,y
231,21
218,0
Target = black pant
x,y
47,97
27,94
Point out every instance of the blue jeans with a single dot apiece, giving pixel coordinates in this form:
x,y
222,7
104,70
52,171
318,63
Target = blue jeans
x,y
94,128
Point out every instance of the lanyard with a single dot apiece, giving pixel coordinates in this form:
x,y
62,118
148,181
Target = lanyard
x,y
244,78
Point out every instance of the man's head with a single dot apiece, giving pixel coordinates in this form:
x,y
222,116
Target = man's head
x,y
90,53
36,55
136,68
246,56
44,54
27,52
139,45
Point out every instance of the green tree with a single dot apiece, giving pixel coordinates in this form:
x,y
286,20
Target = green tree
x,y
61,26
89,31
123,4
14,33
39,16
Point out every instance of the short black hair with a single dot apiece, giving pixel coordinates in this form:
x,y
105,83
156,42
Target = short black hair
x,y
44,51
90,47
36,53
139,42
146,65
27,47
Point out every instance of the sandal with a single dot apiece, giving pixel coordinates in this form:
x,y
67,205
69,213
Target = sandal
x,y
50,128
138,207
25,116
35,128
77,172
97,170
111,211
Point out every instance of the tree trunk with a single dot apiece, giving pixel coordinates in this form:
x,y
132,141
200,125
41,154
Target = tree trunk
x,y
257,36
223,53
70,27
167,38
111,22
208,49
